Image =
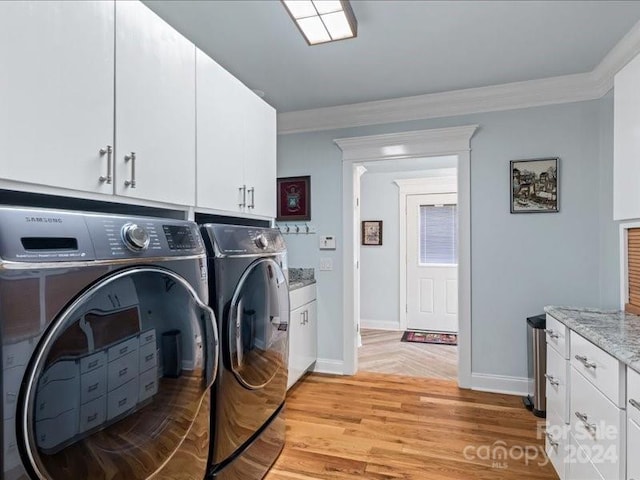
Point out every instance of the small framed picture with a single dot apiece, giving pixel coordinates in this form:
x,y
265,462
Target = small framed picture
x,y
294,198
534,185
372,232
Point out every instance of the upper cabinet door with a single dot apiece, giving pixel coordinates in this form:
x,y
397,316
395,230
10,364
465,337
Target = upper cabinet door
x,y
260,156
56,92
220,145
155,108
626,157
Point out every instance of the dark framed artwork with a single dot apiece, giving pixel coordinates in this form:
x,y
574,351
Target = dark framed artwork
x,y
372,232
294,198
535,185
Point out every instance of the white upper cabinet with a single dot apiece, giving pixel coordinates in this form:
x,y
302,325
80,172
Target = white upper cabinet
x,y
220,146
260,156
56,93
626,141
236,154
155,108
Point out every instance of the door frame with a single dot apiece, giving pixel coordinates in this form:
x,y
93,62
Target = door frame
x,y
446,182
414,144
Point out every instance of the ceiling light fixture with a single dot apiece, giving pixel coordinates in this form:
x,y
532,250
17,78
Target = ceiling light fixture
x,y
322,21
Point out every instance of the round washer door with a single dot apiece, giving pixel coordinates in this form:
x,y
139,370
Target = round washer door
x,y
118,380
258,323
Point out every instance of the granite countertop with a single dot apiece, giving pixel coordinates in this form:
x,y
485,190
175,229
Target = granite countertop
x,y
301,277
616,332
300,284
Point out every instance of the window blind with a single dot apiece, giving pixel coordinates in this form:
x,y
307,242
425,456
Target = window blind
x,y
633,266
438,232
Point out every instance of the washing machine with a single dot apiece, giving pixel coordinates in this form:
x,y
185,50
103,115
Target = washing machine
x,y
109,347
249,295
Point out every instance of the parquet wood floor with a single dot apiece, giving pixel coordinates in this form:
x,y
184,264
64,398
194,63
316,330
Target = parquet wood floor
x,y
383,352
375,426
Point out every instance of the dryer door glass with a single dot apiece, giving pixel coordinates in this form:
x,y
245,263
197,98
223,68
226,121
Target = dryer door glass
x,y
120,380
258,323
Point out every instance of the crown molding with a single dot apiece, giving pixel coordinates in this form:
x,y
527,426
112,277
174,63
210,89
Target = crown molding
x,y
509,96
414,144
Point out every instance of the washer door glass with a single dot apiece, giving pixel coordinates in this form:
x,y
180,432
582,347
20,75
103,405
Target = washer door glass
x,y
257,326
118,380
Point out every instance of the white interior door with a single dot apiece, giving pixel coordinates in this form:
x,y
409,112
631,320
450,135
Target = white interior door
x,y
432,262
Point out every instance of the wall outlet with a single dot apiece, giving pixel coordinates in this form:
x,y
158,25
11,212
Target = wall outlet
x,y
327,242
326,264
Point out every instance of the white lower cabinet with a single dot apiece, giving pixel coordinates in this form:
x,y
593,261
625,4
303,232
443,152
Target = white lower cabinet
x,y
303,333
588,426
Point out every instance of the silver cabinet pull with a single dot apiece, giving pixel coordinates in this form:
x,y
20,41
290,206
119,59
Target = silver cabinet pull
x,y
306,317
302,318
108,150
131,183
552,442
584,419
634,403
552,380
551,333
243,191
252,191
585,361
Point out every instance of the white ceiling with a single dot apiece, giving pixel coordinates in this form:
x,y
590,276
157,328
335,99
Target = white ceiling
x,y
403,48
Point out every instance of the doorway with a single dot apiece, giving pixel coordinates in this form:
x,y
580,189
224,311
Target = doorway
x,y
417,206
406,145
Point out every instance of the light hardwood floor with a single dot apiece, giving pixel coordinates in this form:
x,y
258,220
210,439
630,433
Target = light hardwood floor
x,y
375,426
383,352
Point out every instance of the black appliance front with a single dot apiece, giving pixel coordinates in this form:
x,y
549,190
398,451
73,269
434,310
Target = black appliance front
x,y
85,383
251,301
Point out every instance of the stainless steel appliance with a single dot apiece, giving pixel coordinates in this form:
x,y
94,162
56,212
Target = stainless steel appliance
x,y
248,289
84,302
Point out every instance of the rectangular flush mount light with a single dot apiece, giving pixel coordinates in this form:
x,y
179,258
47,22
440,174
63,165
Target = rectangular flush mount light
x,y
322,21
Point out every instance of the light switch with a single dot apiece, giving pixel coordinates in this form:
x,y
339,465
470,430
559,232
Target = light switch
x,y
326,264
327,242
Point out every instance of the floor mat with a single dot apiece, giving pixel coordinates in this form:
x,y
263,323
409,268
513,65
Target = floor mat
x,y
430,337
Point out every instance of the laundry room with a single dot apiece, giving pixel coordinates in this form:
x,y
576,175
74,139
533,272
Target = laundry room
x,y
318,239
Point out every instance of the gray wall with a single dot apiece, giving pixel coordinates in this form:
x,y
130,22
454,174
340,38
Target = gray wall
x,y
380,265
520,263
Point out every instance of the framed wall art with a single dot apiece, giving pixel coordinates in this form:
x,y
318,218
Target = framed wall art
x,y
534,185
372,232
294,198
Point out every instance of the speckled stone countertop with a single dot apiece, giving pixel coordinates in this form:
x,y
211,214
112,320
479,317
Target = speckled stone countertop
x,y
301,277
617,333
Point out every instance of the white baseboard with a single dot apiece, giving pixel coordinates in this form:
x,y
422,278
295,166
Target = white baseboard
x,y
380,324
327,365
500,384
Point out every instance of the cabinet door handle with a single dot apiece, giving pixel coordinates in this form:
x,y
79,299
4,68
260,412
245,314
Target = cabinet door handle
x,y
252,191
131,183
551,333
585,361
634,403
584,419
243,191
109,151
302,318
552,380
552,442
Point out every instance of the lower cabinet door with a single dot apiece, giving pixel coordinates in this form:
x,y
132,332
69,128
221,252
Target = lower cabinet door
x,y
556,442
580,466
633,450
296,325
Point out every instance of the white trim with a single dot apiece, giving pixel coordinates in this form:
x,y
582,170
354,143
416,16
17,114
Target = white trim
x,y
380,324
328,365
415,186
509,96
417,144
501,384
